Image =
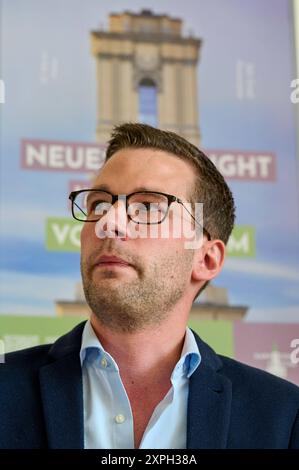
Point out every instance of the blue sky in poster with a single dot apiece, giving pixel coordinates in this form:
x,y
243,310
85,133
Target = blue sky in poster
x,y
64,108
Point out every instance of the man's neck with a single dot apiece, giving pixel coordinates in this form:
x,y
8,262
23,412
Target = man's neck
x,y
150,354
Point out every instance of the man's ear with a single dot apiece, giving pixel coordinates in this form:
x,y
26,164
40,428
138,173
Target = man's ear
x,y
208,260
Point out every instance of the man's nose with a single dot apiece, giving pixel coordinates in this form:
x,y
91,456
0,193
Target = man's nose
x,y
114,224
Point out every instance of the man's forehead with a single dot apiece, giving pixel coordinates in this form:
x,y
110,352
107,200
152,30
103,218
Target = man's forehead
x,y
146,169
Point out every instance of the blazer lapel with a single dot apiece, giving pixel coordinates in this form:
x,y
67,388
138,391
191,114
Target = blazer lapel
x,y
62,393
209,403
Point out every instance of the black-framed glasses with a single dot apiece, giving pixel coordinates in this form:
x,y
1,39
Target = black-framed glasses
x,y
142,207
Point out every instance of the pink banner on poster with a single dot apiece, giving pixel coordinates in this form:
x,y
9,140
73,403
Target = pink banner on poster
x,y
84,157
240,165
273,347
61,156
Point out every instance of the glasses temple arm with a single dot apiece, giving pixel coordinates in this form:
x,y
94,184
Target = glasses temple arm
x,y
201,225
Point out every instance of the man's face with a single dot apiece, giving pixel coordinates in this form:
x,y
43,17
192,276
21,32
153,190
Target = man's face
x,y
134,296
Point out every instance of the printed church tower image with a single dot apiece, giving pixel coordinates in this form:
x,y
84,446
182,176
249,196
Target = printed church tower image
x,y
146,72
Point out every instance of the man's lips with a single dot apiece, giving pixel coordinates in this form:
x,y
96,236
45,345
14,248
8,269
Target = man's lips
x,y
106,260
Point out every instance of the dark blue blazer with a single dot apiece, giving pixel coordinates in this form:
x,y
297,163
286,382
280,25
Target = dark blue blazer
x,y
230,405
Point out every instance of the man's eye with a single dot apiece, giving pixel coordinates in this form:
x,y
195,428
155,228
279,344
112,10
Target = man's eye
x,y
99,206
148,207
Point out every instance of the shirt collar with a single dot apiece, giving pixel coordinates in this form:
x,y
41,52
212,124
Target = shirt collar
x,y
190,359
90,343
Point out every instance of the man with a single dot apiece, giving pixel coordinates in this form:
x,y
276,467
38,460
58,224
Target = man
x,y
134,376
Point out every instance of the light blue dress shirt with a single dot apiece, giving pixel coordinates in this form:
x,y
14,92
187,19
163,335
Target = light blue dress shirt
x,y
108,418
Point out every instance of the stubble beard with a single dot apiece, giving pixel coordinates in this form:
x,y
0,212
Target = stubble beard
x,y
131,306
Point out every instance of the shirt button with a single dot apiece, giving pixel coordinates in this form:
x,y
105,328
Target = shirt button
x,y
119,419
104,362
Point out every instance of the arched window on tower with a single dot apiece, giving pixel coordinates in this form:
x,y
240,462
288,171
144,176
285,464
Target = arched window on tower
x,y
147,92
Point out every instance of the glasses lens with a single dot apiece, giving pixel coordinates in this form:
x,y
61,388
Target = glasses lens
x,y
147,208
91,205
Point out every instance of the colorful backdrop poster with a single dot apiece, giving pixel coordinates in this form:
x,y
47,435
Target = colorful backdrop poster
x,y
49,144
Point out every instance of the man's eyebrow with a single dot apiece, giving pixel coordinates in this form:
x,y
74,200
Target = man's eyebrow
x,y
105,187
101,187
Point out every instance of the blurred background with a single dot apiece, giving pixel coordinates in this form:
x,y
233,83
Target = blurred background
x,y
223,74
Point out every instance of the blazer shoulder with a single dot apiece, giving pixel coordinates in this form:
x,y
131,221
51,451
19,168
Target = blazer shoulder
x,y
40,355
36,355
259,382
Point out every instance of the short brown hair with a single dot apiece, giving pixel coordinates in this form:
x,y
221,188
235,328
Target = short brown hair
x,y
210,187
